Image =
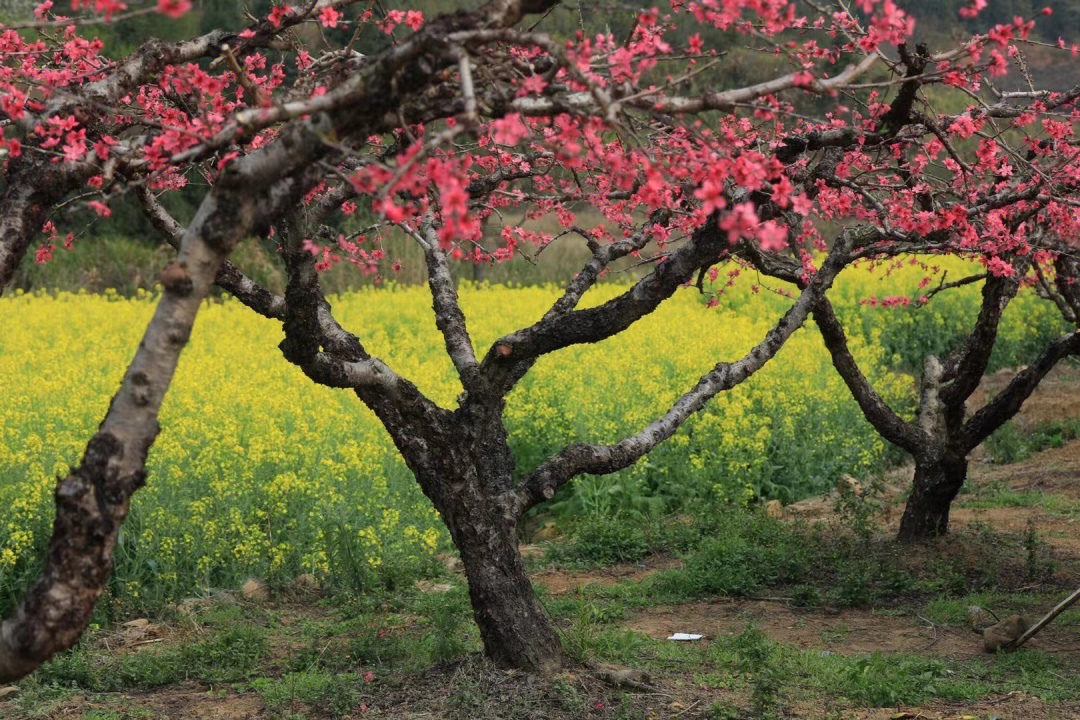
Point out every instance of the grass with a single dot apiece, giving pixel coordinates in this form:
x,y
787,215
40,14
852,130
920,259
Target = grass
x,y
398,647
763,677
1009,445
998,494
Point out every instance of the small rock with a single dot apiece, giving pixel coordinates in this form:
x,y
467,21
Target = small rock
x,y
1003,633
305,583
426,586
8,692
254,589
774,509
138,624
848,485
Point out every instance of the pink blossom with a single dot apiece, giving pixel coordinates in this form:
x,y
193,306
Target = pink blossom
x,y
173,8
329,16
509,130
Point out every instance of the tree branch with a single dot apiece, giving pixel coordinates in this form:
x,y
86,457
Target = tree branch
x,y
229,278
562,327
448,315
32,189
92,502
1009,401
725,101
964,368
891,426
545,481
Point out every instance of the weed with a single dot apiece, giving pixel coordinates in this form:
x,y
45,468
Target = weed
x,y
805,596
579,639
606,541
760,660
721,710
336,694
1009,445
1037,565
860,507
445,641
853,588
569,696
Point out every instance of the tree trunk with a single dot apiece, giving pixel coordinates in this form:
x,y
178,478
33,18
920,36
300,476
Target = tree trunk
x,y
937,481
516,630
462,463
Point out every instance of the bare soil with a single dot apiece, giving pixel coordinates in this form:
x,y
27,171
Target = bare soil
x,y
849,631
558,581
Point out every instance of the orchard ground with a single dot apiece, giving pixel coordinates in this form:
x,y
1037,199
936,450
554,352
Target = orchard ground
x,y
815,613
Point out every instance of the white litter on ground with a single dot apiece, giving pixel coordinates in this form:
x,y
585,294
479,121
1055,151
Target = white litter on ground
x,y
685,636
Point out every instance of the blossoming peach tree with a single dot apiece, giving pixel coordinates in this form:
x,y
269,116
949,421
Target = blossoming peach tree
x,y
838,157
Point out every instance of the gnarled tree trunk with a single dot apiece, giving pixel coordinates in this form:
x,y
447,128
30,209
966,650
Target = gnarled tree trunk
x,y
938,478
515,629
462,464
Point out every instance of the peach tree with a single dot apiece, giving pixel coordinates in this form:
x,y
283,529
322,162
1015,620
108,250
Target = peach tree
x,y
835,155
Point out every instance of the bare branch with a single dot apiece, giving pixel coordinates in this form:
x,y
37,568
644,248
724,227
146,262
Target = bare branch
x,y
1008,402
562,327
229,278
448,315
545,481
726,100
943,286
314,340
964,368
891,426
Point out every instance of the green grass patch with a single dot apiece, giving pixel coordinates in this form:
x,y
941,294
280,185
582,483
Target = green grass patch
x,y
1010,445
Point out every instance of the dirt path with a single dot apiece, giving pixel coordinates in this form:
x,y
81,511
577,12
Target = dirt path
x,y
847,632
558,581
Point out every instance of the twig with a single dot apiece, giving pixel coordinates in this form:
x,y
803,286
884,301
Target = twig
x,y
1061,607
145,642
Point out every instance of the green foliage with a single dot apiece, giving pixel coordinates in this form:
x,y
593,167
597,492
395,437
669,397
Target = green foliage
x,y
449,617
232,654
579,639
853,587
880,681
756,656
605,541
907,335
1009,445
335,693
739,553
805,596
569,696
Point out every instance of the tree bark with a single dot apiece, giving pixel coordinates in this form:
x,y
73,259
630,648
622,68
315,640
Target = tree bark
x,y
465,463
938,479
514,627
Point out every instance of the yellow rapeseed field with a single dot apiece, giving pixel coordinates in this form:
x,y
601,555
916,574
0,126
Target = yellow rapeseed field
x,y
258,472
